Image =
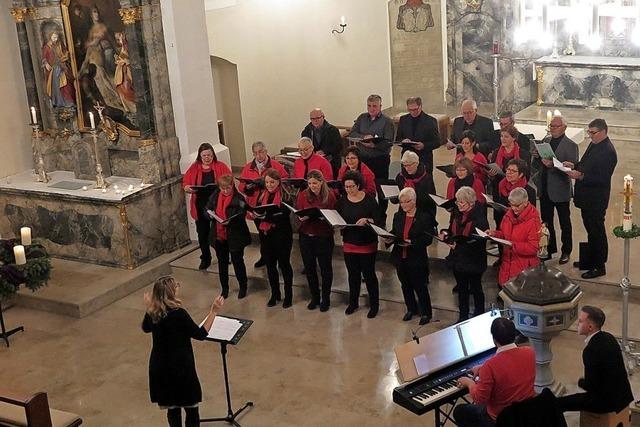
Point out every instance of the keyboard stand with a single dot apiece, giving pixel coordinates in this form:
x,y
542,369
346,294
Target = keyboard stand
x,y
439,413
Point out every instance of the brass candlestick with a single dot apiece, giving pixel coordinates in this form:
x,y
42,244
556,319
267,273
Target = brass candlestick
x,y
540,81
100,181
43,176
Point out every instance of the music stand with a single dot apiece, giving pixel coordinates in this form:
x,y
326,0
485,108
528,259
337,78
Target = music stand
x,y
231,416
4,334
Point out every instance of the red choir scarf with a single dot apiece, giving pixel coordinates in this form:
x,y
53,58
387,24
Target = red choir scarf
x,y
461,225
505,187
413,182
267,198
221,211
502,154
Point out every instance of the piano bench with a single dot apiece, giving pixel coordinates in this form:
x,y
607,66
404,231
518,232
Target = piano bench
x,y
32,410
611,419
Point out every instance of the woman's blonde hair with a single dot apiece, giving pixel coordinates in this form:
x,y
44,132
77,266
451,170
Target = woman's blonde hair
x,y
163,298
324,190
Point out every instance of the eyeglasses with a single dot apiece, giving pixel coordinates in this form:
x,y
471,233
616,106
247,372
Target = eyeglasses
x,y
350,186
409,164
593,132
511,170
316,118
516,206
557,126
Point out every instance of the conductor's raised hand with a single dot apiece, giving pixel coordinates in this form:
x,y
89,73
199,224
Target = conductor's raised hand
x,y
147,299
217,304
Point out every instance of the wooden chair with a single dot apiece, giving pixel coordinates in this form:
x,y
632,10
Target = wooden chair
x,y
21,410
611,419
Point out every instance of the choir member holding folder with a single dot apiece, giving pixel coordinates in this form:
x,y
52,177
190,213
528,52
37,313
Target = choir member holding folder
x,y
411,259
173,380
229,233
353,163
465,177
415,175
468,257
316,239
276,237
521,227
516,172
197,181
470,151
309,160
360,243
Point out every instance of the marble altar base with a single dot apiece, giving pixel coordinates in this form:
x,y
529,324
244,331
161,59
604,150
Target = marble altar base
x,y
107,228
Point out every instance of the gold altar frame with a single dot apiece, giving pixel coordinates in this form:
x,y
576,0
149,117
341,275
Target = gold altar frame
x,y
74,66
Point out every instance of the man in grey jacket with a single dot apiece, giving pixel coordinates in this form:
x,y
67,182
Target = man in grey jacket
x,y
554,187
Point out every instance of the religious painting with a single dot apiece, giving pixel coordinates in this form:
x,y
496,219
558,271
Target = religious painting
x,y
56,66
99,55
414,16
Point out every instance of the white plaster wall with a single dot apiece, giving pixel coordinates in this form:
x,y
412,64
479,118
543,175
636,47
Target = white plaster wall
x,y
15,134
289,61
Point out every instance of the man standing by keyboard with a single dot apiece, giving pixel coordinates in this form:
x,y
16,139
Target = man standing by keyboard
x,y
505,378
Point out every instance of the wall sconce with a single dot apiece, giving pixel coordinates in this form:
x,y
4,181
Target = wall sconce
x,y
343,24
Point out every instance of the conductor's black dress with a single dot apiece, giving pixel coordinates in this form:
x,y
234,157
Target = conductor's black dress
x,y
173,380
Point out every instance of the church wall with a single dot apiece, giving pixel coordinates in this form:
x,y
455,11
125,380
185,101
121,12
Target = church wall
x,y
289,62
15,135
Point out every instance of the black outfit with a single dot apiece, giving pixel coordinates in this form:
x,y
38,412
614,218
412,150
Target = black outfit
x,y
605,378
468,259
318,251
541,410
481,126
360,264
238,237
173,380
591,195
326,138
422,182
412,262
276,247
423,128
203,223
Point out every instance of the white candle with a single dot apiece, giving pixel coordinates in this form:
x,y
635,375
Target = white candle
x,y
130,187
557,113
18,253
534,71
549,117
34,117
84,188
25,234
92,120
104,190
115,187
343,21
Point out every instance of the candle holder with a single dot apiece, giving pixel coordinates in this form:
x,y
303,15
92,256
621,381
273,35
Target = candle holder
x,y
540,81
101,183
43,176
495,57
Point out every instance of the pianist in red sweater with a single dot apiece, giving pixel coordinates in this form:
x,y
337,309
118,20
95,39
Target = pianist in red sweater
x,y
505,378
309,160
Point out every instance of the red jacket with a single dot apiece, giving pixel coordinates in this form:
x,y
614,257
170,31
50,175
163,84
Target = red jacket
x,y
477,186
314,162
315,227
250,171
506,378
524,232
193,176
367,176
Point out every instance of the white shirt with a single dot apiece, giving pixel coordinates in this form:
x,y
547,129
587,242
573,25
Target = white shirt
x,y
506,347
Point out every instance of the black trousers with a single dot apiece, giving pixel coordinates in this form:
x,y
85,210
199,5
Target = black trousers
x,y
471,415
260,237
581,402
237,259
203,228
593,220
317,250
414,276
277,252
564,216
358,266
469,284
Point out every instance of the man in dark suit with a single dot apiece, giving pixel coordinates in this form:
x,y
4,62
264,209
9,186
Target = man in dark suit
x,y
480,125
592,176
419,127
326,139
605,378
554,186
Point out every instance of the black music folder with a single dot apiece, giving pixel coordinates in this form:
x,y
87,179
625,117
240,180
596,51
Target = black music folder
x,y
308,212
299,183
228,329
448,170
215,217
447,204
265,211
208,187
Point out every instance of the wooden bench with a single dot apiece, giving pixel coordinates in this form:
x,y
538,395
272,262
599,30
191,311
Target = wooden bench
x,y
21,410
611,419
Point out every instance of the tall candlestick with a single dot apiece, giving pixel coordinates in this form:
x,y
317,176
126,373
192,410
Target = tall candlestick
x,y
92,120
534,71
18,253
25,234
34,117
627,216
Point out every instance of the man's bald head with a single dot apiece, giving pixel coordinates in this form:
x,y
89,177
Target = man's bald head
x,y
316,116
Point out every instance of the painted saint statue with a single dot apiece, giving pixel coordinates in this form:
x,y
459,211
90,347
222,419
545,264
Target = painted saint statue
x,y
414,16
57,73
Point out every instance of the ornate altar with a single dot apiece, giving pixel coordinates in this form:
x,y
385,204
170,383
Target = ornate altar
x,y
96,76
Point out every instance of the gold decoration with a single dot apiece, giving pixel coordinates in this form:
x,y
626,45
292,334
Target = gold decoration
x,y
130,15
147,142
32,12
18,13
474,5
124,221
66,113
540,80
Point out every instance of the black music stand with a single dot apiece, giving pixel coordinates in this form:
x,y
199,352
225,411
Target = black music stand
x,y
4,334
231,416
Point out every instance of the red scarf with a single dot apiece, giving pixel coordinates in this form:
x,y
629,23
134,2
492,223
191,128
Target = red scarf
x,y
505,187
221,211
502,154
413,182
461,226
267,198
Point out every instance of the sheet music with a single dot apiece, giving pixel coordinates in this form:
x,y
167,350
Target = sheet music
x,y
333,217
439,200
291,208
558,165
493,203
293,154
422,364
382,232
390,191
495,239
223,328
